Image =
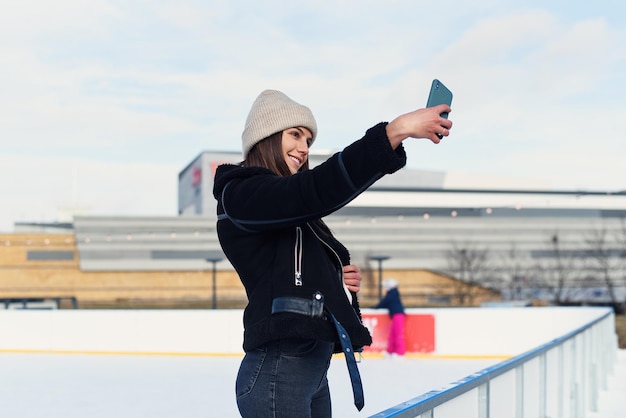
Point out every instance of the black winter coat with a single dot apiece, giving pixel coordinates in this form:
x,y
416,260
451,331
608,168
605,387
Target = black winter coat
x,y
270,230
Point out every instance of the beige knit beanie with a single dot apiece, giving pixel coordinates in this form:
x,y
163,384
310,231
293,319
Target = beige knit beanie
x,y
274,112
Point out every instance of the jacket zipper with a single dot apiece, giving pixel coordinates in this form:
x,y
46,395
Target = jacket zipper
x,y
297,254
348,295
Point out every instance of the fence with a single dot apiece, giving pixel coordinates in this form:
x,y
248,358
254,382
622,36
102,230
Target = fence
x,y
561,378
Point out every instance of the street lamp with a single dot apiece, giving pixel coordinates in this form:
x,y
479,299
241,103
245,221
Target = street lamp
x,y
380,259
214,260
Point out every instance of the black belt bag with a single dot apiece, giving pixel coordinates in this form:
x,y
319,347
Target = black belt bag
x,y
314,308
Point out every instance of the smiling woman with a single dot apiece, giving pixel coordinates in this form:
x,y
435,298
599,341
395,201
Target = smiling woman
x,y
300,282
284,152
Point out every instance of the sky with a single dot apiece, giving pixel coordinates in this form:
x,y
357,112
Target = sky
x,y
104,102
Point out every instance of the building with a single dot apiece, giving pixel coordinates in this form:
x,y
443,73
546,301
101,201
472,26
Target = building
x,y
446,244
534,243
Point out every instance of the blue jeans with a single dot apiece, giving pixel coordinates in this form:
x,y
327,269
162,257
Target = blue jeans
x,y
285,379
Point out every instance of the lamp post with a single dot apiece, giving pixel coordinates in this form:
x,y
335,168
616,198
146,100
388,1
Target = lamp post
x,y
380,259
214,260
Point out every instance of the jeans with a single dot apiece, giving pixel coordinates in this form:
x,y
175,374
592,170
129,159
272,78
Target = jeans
x,y
285,379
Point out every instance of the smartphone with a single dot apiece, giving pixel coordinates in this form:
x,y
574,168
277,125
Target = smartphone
x,y
439,94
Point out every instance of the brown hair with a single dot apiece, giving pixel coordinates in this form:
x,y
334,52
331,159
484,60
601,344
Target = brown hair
x,y
268,153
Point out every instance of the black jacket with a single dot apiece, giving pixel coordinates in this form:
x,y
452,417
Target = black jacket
x,y
269,228
392,302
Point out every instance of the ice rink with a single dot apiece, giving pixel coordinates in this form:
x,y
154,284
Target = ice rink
x,y
133,386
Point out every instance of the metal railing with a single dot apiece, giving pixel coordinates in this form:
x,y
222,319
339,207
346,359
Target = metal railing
x,y
561,378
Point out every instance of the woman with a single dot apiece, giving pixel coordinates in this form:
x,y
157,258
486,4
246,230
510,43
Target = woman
x,y
301,287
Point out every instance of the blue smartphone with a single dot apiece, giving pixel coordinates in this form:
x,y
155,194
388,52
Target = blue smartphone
x,y
439,94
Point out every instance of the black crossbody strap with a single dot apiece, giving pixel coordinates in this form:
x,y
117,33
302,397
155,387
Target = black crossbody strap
x,y
353,370
315,308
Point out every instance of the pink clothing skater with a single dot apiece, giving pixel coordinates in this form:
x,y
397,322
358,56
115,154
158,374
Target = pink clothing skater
x,y
392,302
395,344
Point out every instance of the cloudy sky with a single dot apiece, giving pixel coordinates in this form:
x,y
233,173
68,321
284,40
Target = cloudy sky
x,y
103,102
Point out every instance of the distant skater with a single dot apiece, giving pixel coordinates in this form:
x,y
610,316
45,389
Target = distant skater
x,y
392,302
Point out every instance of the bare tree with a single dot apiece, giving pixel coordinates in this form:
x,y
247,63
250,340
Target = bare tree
x,y
561,270
469,264
514,272
603,257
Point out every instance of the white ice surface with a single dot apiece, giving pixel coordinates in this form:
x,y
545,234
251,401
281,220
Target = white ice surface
x,y
79,386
